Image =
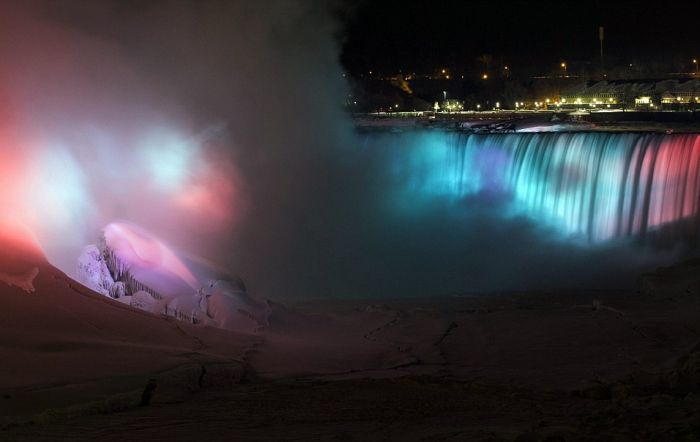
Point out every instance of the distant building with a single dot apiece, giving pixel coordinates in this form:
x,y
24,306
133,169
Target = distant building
x,y
663,94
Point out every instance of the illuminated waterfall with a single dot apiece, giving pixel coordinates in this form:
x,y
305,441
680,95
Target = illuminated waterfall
x,y
595,186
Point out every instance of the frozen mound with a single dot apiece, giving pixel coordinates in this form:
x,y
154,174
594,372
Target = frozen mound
x,y
136,268
144,301
227,304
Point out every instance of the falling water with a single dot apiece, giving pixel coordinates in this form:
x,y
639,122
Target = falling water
x,y
430,212
594,186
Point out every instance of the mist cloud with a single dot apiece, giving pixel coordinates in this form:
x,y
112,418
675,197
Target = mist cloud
x,y
187,118
218,127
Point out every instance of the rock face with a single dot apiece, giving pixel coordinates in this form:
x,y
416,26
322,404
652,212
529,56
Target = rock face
x,y
137,269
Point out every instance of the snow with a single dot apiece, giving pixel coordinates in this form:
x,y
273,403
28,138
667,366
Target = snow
x,y
67,344
118,290
143,301
136,268
93,271
186,308
24,281
228,304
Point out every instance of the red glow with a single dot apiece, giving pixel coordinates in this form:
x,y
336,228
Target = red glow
x,y
19,247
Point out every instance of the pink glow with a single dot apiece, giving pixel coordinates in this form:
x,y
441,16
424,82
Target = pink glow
x,y
140,249
84,144
673,194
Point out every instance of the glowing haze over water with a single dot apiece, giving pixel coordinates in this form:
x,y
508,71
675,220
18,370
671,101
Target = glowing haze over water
x,y
231,145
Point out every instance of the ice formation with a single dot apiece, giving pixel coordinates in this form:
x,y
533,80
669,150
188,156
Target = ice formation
x,y
93,271
132,266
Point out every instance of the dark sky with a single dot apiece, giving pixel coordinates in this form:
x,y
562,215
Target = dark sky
x,y
388,35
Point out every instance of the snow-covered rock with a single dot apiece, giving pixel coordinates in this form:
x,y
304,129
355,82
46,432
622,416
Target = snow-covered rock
x,y
230,307
93,271
186,308
118,290
136,268
143,301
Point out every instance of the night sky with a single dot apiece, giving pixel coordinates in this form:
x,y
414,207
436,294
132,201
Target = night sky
x,y
392,35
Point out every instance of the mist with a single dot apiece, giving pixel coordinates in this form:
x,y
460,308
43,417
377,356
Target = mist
x,y
223,133
178,116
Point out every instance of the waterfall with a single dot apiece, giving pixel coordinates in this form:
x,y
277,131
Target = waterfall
x,y
596,186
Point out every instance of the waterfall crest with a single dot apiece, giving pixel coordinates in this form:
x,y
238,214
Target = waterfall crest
x,y
595,186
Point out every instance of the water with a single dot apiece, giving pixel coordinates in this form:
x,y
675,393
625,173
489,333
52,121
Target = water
x,y
425,213
589,186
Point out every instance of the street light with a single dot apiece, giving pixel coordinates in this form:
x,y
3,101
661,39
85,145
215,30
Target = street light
x,y
563,66
695,62
444,94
